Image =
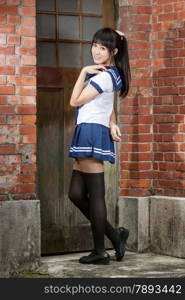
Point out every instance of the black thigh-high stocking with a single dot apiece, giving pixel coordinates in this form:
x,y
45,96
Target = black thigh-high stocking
x,y
78,194
97,207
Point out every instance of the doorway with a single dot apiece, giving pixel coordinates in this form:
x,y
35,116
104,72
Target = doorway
x,y
64,32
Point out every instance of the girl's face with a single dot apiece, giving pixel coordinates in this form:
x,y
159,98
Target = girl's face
x,y
101,54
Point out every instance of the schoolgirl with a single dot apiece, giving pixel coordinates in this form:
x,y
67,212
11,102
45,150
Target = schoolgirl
x,y
94,136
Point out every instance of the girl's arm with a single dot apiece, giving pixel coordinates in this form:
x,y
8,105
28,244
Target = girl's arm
x,y
81,95
112,118
114,129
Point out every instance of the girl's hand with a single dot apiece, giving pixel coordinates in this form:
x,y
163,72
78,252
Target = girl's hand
x,y
94,69
115,132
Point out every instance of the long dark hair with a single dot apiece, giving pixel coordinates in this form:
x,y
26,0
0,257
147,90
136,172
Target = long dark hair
x,y
109,38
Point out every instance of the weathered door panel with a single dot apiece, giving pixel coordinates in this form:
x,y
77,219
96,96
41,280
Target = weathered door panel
x,y
62,223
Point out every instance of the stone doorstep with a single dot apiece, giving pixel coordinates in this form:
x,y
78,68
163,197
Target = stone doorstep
x,y
148,265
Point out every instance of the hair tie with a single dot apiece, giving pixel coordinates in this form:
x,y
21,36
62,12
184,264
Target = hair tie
x,y
120,33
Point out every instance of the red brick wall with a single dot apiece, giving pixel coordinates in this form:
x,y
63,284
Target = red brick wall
x,y
17,99
152,116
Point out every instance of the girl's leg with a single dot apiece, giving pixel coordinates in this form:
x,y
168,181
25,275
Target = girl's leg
x,y
96,210
89,165
79,196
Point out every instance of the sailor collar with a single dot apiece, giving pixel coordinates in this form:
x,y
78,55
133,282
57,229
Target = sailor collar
x,y
114,73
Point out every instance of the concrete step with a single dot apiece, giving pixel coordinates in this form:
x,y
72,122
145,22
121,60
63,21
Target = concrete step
x,y
147,265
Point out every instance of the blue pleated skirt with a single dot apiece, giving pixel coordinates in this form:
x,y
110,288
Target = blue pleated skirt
x,y
92,140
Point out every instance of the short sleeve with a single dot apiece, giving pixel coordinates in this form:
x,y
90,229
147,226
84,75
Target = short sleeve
x,y
102,82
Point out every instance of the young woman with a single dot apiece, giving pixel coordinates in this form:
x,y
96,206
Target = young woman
x,y
94,136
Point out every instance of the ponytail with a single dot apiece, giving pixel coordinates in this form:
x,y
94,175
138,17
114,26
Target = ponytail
x,y
122,63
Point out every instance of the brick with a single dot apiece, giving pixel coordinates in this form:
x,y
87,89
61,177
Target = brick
x,y
141,156
125,183
27,188
142,82
14,79
136,165
7,90
25,51
14,99
145,9
26,31
14,39
26,90
165,109
28,80
22,188
167,17
28,100
7,149
29,3
29,59
14,119
6,109
29,119
27,11
13,60
16,20
137,120
28,42
13,2
28,168
135,147
27,178
163,119
26,109
8,10
168,128
29,139
135,110
7,70
31,70
135,129
28,21
7,50
168,91
27,129
21,80
141,138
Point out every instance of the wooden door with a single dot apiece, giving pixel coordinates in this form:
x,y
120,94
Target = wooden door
x,y
64,32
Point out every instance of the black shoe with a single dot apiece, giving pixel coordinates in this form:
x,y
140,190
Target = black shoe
x,y
95,258
120,247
